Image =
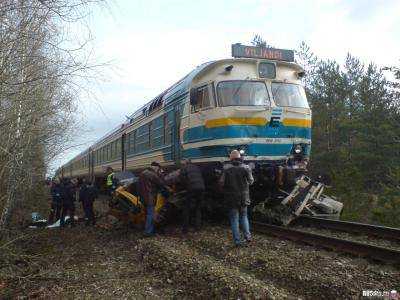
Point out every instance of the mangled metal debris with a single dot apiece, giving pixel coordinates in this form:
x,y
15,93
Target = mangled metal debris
x,y
306,197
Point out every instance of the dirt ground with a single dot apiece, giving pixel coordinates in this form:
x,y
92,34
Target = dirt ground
x,y
116,262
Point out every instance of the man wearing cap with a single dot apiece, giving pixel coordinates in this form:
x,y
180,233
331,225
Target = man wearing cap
x,y
235,182
150,184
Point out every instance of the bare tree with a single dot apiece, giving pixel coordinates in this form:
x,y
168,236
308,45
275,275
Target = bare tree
x,y
260,42
41,74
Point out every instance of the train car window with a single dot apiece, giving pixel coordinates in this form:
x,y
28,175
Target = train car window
x,y
289,94
108,149
127,142
112,151
185,110
242,93
142,138
204,98
131,148
119,148
157,132
169,124
150,129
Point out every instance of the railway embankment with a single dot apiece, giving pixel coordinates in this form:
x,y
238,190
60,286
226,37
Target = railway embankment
x,y
117,262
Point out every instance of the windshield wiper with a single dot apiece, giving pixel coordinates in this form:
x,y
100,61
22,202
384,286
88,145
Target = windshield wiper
x,y
240,86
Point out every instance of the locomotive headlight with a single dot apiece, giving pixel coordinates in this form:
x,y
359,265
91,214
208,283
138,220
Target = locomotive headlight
x,y
298,149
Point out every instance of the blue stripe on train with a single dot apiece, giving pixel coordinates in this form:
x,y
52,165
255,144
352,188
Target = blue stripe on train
x,y
202,133
250,150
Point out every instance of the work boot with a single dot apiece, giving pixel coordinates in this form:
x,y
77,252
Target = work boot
x,y
148,235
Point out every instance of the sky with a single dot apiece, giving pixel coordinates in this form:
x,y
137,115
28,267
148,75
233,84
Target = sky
x,y
149,45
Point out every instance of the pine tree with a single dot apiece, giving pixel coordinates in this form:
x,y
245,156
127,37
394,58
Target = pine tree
x,y
356,134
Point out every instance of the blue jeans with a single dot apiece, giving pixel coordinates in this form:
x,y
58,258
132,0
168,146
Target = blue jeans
x,y
237,216
149,225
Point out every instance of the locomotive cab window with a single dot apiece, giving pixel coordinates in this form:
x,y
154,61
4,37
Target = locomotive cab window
x,y
289,94
242,93
201,98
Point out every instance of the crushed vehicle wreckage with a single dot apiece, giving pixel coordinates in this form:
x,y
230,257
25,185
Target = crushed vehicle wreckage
x,y
304,197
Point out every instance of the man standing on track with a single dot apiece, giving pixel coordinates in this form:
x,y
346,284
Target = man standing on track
x,y
235,181
192,179
150,184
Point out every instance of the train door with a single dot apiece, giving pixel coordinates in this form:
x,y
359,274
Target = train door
x,y
176,133
91,164
123,151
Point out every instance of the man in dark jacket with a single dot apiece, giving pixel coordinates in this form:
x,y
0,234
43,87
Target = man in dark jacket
x,y
150,184
87,194
55,191
191,178
235,181
67,200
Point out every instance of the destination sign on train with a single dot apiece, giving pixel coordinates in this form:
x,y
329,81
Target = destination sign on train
x,y
239,50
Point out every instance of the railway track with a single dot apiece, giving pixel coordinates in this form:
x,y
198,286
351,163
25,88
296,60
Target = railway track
x,y
355,248
351,227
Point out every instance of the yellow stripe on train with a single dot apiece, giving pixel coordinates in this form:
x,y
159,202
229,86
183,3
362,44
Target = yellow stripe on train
x,y
297,122
235,121
255,121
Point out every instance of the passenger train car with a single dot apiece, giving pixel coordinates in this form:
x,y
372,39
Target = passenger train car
x,y
253,102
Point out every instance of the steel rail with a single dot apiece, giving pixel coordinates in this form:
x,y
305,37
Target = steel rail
x,y
353,227
355,248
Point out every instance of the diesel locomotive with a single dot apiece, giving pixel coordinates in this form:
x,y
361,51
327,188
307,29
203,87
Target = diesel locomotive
x,y
253,102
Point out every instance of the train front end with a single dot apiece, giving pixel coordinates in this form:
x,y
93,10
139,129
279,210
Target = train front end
x,y
254,103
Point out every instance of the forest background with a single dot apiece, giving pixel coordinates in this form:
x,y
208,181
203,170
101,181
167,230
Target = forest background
x,y
355,131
